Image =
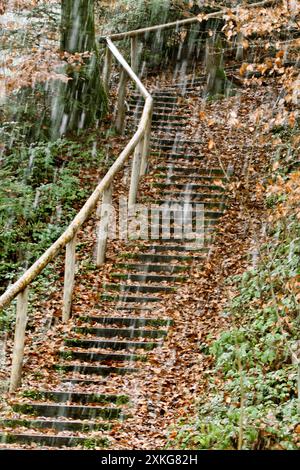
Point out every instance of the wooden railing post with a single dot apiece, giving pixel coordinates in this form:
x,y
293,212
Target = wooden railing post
x,y
135,172
239,47
146,148
137,144
70,262
134,54
104,225
19,341
107,69
120,120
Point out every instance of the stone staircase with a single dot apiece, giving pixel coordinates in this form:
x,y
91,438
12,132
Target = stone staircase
x,y
101,348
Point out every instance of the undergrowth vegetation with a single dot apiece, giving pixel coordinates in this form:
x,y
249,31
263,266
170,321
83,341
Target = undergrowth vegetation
x,y
132,14
41,190
253,400
160,47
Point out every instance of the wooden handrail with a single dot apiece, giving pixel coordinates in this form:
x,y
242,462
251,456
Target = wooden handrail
x,y
127,68
68,238
150,29
180,23
92,202
80,218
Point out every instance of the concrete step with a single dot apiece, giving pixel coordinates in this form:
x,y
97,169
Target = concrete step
x,y
148,277
159,99
184,82
50,410
129,298
202,242
174,230
101,357
160,246
181,211
190,82
183,90
158,117
111,344
187,83
75,397
131,322
172,134
190,170
161,125
205,238
166,228
53,440
103,371
170,148
185,179
121,332
156,268
177,248
138,309
200,196
161,104
152,257
193,209
175,148
154,92
85,380
168,129
58,425
159,108
138,288
207,204
174,234
176,141
187,187
177,155
164,93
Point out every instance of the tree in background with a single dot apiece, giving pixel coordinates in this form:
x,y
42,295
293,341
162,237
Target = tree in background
x,y
216,77
77,26
82,100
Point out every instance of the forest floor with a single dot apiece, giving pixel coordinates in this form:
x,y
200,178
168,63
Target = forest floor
x,y
168,387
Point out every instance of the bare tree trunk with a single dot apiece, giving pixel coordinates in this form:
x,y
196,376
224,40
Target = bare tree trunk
x,y
240,48
77,25
81,101
216,77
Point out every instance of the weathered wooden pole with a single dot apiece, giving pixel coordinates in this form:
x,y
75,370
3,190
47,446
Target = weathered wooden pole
x,y
70,262
19,341
146,148
104,225
135,172
240,47
216,77
134,54
107,69
121,109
